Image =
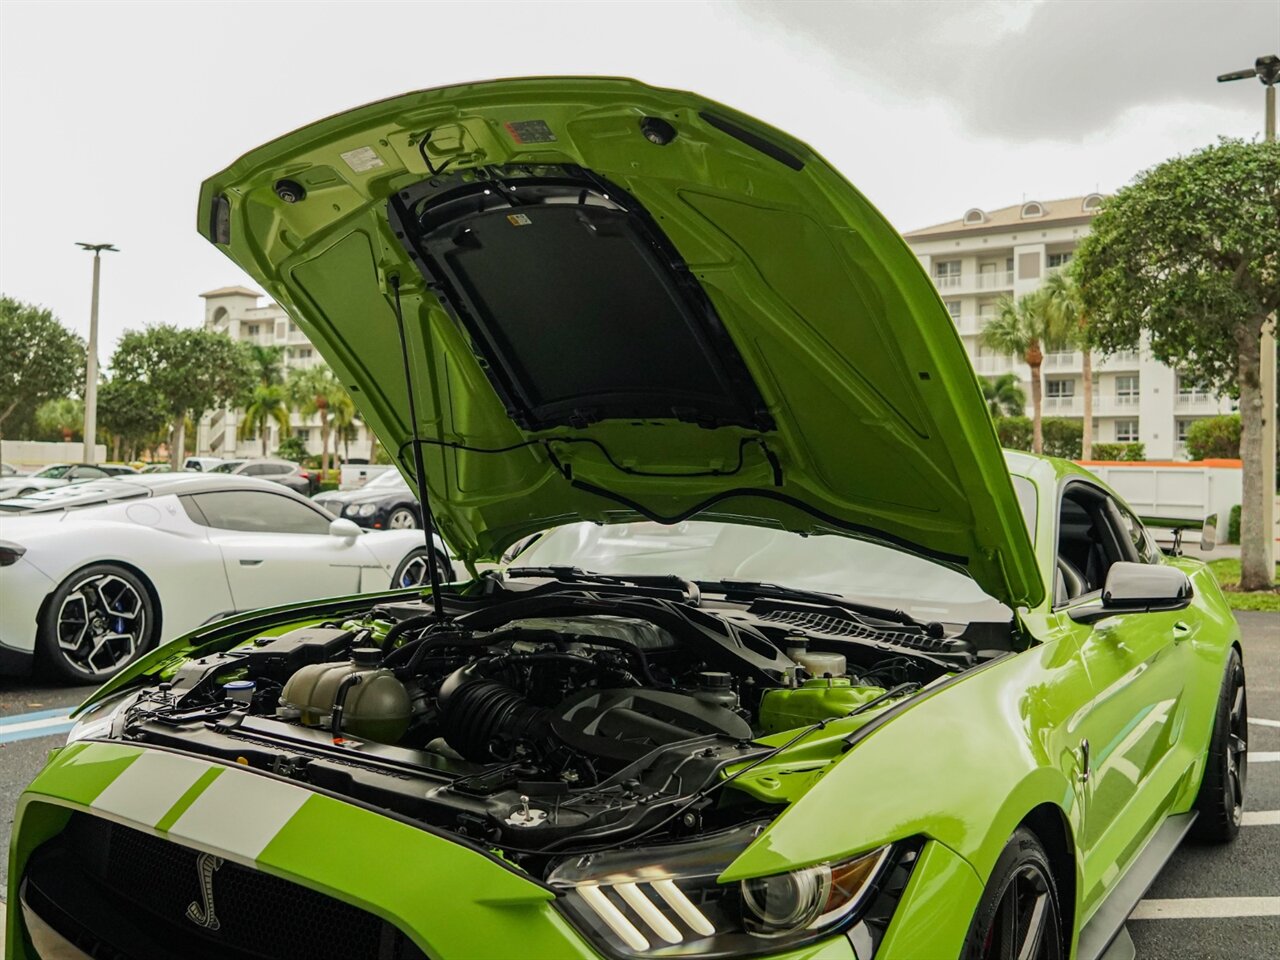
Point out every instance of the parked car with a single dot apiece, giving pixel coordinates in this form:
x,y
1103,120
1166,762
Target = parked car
x,y
805,666
201,464
94,575
156,468
9,470
284,472
59,475
384,503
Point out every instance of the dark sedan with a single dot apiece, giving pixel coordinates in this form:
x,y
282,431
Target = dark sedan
x,y
384,503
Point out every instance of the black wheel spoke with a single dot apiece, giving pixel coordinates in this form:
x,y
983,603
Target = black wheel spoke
x,y
101,624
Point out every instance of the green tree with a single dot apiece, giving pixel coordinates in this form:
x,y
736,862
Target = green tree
x,y
40,360
193,370
63,418
268,402
1024,328
1003,395
1014,432
1065,305
268,362
1189,253
292,448
1062,437
345,425
314,391
132,412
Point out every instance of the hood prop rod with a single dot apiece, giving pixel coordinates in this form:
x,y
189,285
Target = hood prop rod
x,y
419,470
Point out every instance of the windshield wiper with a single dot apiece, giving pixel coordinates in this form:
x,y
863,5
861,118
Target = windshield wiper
x,y
774,591
665,583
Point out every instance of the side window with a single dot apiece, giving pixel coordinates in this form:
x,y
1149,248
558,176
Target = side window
x,y
1090,540
275,469
86,473
253,511
254,470
1143,544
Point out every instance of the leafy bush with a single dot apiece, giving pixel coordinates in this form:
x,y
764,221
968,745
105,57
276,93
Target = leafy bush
x,y
1062,437
327,485
1134,451
1014,432
1214,438
1233,525
292,448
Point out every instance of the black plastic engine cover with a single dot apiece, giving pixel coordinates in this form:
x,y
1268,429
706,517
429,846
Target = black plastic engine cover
x,y
628,723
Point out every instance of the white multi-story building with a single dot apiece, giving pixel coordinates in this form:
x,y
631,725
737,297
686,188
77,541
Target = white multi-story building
x,y
235,312
987,253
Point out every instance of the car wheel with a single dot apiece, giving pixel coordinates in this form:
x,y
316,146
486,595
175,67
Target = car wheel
x,y
1018,915
414,571
1221,799
96,622
402,518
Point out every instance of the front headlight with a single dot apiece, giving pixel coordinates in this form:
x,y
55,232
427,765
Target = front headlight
x,y
666,901
361,509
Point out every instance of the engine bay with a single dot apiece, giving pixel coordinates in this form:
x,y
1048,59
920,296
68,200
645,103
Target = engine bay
x,y
540,717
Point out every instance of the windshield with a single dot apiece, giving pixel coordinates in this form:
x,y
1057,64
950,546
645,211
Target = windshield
x,y
382,481
54,472
704,550
227,467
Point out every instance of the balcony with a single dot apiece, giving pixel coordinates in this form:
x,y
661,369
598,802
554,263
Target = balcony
x,y
1196,401
992,365
1116,404
948,282
1068,406
998,280
1122,360
1067,360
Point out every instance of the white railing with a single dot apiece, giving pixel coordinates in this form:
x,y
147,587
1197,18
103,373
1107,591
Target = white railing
x,y
1062,361
949,282
999,280
1120,403
1057,406
1196,400
989,365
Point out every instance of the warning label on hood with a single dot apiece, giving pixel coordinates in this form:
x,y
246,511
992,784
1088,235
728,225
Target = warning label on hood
x,y
530,131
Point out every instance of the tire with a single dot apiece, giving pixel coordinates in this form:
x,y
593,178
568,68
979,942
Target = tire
x,y
402,518
1018,914
413,571
1220,801
95,623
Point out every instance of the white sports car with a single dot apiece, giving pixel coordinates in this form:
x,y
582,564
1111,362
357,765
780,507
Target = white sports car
x,y
94,573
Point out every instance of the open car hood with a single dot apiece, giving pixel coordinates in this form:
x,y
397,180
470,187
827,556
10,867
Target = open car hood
x,y
623,301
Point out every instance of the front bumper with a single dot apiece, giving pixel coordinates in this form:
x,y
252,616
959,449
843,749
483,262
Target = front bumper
x,y
23,588
447,900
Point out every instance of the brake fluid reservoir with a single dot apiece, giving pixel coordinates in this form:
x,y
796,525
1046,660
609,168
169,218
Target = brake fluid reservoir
x,y
821,664
814,700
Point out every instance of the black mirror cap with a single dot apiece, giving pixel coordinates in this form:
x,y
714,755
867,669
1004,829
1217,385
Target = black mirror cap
x,y
1145,586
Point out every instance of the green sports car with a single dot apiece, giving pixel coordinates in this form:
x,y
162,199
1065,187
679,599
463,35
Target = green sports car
x,y
773,652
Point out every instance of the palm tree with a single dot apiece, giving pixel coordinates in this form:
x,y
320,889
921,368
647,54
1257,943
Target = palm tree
x,y
1066,307
268,402
1024,328
63,416
1004,397
269,364
313,390
343,410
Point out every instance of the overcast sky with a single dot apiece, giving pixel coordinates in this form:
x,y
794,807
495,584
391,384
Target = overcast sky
x,y
111,114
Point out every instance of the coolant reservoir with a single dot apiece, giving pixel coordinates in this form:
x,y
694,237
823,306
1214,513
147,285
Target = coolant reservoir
x,y
377,708
814,700
821,664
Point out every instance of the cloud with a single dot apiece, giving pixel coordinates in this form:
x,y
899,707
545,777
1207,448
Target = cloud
x,y
1051,70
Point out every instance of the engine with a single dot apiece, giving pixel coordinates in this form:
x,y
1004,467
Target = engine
x,y
521,724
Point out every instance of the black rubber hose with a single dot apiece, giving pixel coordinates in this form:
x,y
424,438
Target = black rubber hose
x,y
340,703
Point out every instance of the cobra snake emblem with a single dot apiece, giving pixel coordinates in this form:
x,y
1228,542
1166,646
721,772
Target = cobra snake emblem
x,y
203,914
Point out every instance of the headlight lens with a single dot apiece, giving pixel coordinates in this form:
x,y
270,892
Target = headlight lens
x,y
666,901
362,509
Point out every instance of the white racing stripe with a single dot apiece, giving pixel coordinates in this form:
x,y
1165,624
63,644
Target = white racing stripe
x,y
1261,818
239,813
1207,908
149,786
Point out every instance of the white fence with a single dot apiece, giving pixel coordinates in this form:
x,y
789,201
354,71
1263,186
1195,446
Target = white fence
x,y
1177,490
34,454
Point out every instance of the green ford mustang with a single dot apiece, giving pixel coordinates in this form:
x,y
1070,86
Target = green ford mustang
x,y
781,656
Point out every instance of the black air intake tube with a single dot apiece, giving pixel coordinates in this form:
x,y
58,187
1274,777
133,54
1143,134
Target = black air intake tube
x,y
484,720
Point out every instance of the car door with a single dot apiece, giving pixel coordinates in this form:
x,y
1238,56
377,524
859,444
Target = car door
x,y
1137,665
276,549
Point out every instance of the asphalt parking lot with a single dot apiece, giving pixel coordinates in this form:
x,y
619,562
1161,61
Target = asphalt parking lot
x,y
1210,903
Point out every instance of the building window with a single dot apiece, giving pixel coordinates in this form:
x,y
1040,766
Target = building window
x,y
1180,426
973,217
1092,203
1059,260
252,329
1065,387
946,268
1126,431
1032,210
1127,389
1188,390
304,353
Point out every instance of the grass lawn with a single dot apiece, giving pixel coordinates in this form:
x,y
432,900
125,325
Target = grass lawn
x,y
1228,573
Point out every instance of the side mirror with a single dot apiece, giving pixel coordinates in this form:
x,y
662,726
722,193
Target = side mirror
x,y
1209,533
344,529
1137,588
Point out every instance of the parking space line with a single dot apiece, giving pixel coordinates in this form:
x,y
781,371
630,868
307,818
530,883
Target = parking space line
x,y
1259,722
1261,818
24,727
15,718
1207,908
1264,756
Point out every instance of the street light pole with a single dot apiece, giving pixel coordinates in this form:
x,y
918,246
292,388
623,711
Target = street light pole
x,y
1267,70
91,356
